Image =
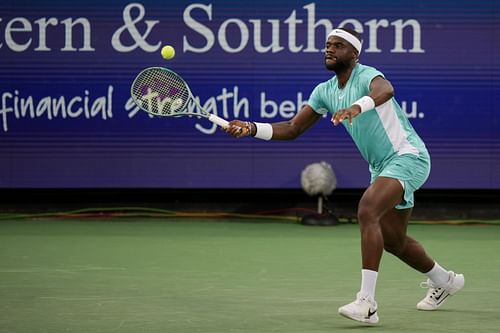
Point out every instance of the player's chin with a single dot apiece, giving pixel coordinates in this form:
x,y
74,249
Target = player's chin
x,y
331,66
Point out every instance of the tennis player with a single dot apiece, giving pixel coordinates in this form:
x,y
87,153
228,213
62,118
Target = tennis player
x,y
362,99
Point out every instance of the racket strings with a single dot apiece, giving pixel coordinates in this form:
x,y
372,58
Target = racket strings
x,y
162,92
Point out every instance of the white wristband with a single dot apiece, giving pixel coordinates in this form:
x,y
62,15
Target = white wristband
x,y
264,131
366,103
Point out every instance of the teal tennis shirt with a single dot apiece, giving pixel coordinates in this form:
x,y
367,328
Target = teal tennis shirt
x,y
380,133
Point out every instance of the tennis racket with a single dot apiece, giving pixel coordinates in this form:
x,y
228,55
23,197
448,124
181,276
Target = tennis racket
x,y
162,92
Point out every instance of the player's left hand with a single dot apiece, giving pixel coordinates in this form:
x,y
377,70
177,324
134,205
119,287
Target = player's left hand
x,y
238,128
348,113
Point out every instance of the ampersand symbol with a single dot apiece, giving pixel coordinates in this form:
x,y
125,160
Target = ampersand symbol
x,y
130,26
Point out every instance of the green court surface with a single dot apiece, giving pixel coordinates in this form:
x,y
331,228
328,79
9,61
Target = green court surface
x,y
186,275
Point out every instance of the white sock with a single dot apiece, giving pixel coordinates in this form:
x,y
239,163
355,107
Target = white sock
x,y
368,282
438,275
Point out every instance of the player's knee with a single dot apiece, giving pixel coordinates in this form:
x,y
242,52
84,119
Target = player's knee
x,y
367,215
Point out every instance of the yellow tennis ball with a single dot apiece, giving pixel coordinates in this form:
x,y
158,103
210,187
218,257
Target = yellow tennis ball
x,y
167,52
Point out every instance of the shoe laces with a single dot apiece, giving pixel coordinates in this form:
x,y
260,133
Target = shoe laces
x,y
433,289
427,284
360,298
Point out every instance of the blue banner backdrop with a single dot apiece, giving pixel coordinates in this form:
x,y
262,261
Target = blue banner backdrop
x,y
67,121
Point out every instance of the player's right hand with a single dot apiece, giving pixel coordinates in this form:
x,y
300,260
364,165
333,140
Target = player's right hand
x,y
238,128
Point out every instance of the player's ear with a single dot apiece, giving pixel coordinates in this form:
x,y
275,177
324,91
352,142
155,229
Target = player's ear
x,y
355,54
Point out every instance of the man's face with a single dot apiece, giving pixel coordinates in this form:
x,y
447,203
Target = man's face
x,y
339,54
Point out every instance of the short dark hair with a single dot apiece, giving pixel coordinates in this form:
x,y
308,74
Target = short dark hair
x,y
353,32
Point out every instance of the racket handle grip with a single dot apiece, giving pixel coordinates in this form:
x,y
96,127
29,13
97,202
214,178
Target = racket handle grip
x,y
218,120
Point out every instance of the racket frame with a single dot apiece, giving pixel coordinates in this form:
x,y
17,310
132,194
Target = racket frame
x,y
185,110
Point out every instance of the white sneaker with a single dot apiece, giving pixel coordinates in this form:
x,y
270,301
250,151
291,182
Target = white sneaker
x,y
362,309
437,295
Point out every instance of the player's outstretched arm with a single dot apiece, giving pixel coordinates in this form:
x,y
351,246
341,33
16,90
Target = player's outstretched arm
x,y
284,130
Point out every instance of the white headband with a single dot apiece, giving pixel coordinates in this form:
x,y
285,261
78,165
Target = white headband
x,y
347,36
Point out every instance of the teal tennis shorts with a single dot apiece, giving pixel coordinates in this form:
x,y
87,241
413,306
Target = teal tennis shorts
x,y
411,170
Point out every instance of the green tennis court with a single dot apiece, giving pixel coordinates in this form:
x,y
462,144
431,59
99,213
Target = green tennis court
x,y
206,275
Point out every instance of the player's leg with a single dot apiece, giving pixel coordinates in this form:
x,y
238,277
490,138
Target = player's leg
x,y
394,226
441,283
382,195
